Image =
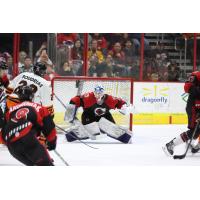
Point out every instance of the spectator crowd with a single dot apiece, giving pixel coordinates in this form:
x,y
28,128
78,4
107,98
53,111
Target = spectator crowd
x,y
109,55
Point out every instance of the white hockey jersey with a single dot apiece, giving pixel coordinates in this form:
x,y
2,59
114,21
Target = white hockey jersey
x,y
41,88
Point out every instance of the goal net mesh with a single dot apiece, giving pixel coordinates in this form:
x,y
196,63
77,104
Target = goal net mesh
x,y
66,88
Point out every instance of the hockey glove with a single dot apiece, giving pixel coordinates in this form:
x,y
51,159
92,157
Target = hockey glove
x,y
51,145
42,140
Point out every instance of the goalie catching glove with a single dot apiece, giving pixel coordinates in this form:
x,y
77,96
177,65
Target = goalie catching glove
x,y
126,110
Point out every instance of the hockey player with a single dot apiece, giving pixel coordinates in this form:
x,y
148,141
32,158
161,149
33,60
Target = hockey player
x,y
96,116
4,82
41,87
192,86
24,122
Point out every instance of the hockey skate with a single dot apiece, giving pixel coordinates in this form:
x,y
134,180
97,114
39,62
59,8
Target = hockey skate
x,y
195,148
169,148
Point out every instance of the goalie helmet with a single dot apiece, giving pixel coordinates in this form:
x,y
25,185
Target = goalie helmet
x,y
99,89
39,69
99,92
25,93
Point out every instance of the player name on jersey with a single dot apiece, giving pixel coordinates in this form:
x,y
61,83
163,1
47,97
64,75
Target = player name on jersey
x,y
33,80
36,106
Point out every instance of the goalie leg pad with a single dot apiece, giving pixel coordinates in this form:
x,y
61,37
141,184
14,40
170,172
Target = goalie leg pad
x,y
115,131
76,131
125,138
92,129
71,136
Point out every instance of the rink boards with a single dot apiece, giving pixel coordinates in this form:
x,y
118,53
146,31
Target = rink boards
x,y
159,103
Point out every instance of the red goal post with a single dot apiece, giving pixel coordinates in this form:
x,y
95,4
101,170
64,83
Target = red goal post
x,y
64,88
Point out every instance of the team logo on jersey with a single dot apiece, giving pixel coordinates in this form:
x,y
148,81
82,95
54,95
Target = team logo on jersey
x,y
22,113
100,111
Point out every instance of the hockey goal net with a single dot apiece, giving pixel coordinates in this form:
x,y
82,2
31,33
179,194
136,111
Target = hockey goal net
x,y
64,88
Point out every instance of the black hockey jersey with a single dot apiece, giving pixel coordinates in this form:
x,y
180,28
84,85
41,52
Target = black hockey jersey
x,y
28,118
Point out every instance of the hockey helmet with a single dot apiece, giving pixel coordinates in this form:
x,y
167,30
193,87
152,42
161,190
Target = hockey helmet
x,y
197,74
39,69
25,93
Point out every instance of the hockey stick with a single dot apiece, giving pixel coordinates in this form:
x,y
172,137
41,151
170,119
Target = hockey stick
x,y
60,101
76,138
188,146
79,85
61,158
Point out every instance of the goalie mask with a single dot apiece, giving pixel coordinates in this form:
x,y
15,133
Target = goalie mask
x,y
99,92
40,69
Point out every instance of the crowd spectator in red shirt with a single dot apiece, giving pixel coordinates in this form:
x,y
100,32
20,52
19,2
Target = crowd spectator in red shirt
x,y
117,52
63,38
119,60
101,42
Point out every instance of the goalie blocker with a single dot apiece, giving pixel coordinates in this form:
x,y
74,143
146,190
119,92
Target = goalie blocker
x,y
79,131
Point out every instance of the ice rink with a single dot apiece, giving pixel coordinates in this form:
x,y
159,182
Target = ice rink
x,y
145,150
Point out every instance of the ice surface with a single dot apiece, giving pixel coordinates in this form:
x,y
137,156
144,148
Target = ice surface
x,y
145,150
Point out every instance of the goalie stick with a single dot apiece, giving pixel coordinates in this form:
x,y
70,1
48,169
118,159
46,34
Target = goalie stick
x,y
188,146
79,85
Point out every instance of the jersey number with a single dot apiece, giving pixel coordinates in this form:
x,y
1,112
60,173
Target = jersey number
x,y
24,83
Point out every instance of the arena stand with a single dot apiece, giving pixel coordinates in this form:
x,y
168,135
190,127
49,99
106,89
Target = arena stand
x,y
151,58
